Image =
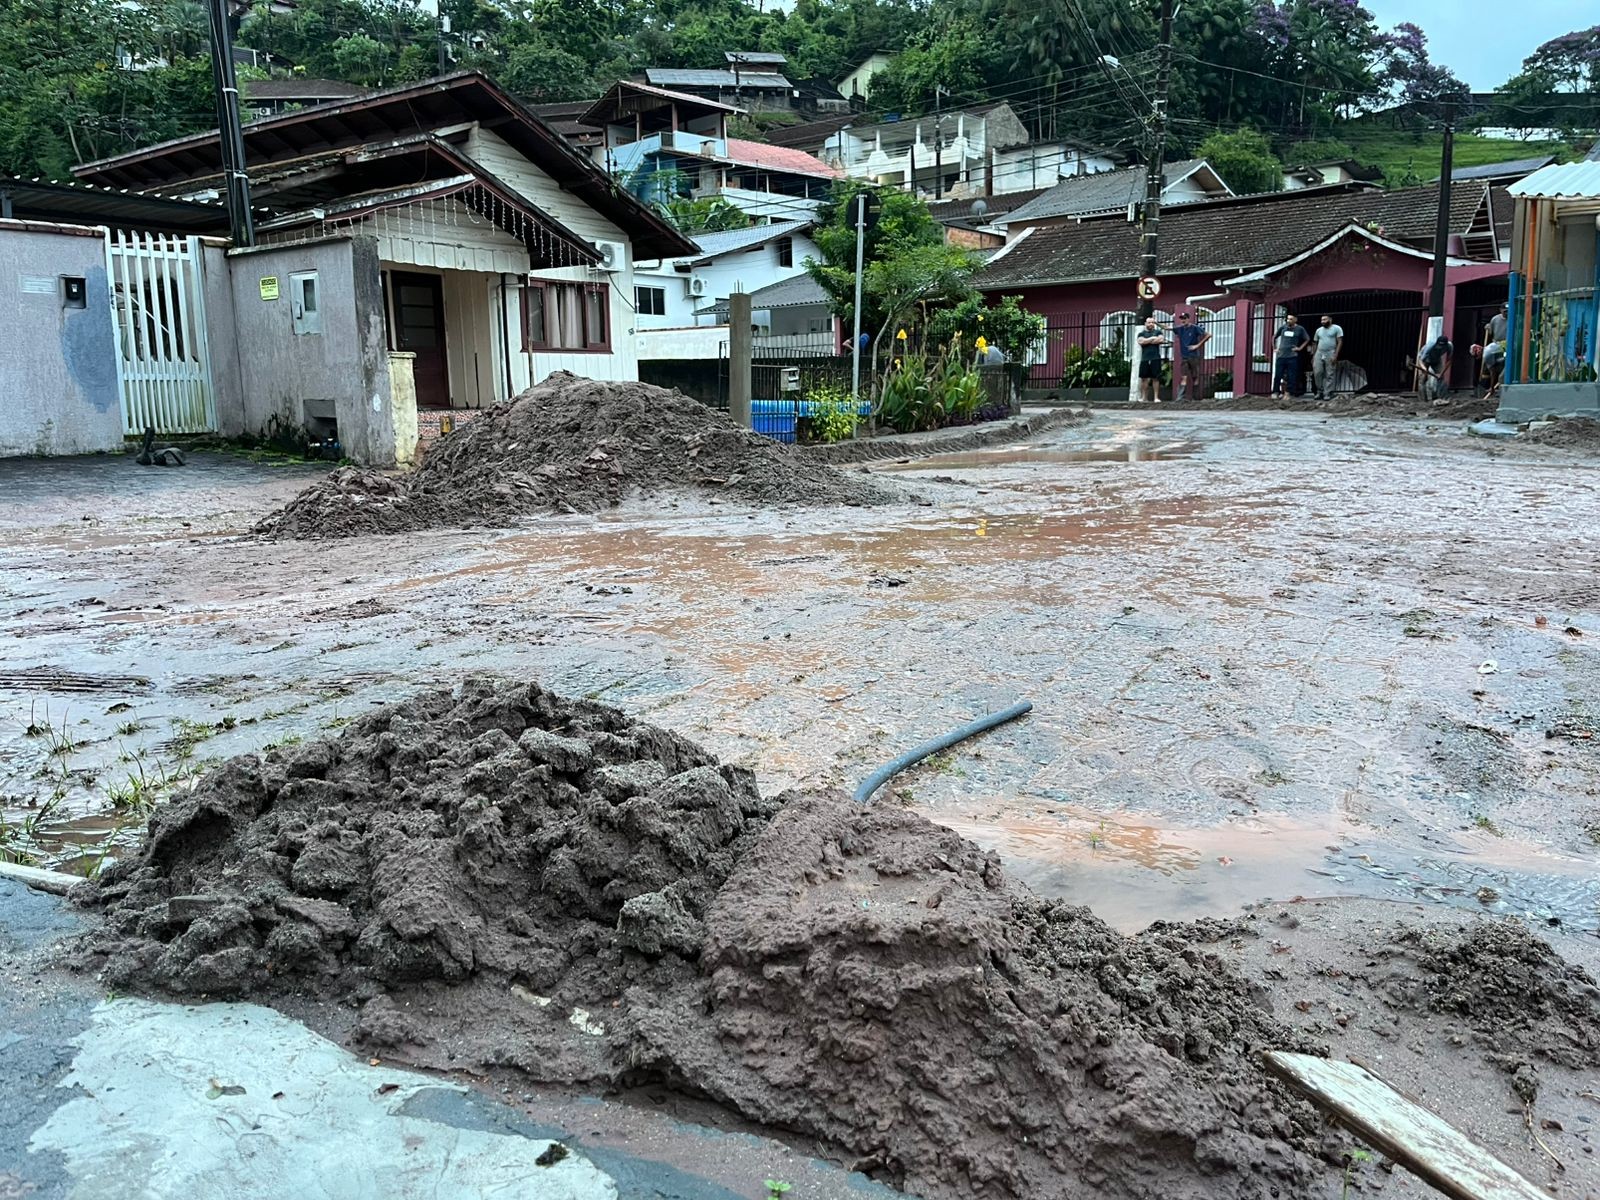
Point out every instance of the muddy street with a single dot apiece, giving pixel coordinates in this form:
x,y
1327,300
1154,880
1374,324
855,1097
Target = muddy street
x,y
1270,655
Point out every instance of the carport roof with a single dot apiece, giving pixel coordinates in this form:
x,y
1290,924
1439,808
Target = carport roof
x,y
85,204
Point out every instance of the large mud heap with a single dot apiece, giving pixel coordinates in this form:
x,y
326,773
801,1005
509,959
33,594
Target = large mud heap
x,y
571,445
499,877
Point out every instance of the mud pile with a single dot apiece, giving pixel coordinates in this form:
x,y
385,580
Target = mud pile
x,y
1521,1001
499,838
1577,433
499,877
570,445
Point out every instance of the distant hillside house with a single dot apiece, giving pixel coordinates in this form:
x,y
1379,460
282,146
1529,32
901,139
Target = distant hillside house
x,y
762,87
968,152
268,97
668,145
1328,171
855,82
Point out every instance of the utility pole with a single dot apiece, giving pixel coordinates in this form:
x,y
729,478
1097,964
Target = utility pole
x,y
444,50
938,141
855,342
229,135
739,354
1154,180
1441,231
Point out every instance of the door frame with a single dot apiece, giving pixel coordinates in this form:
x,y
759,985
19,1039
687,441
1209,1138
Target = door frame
x,y
393,278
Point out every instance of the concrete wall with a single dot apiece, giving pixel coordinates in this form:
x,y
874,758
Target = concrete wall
x,y
345,366
58,364
737,271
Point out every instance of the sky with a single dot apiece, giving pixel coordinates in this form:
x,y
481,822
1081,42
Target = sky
x,y
1484,41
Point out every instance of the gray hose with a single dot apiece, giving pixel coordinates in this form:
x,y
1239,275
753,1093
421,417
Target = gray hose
x,y
883,774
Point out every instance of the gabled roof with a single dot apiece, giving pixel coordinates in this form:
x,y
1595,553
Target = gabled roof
x,y
778,158
755,58
85,204
299,89
626,97
728,241
798,291
351,185
811,135
1515,169
1361,232
1225,236
454,101
687,77
1104,192
959,212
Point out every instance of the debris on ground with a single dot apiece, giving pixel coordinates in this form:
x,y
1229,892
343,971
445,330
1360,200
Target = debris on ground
x,y
1575,433
499,877
1522,1002
568,445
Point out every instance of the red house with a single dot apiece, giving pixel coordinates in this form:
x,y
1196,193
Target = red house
x,y
1240,264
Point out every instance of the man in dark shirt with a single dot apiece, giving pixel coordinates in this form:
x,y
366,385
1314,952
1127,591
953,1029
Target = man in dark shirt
x,y
1436,368
1190,339
1150,339
1287,344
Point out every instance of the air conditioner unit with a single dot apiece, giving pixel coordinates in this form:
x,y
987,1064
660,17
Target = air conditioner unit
x,y
697,285
613,256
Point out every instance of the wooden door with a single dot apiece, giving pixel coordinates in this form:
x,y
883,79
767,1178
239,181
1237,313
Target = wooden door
x,y
419,328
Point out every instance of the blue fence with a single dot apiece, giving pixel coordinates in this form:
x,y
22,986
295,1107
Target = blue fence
x,y
776,418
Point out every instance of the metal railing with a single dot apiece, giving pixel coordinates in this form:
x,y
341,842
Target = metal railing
x,y
1559,343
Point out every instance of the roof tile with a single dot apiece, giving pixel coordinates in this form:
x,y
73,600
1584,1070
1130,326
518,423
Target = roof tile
x,y
1221,235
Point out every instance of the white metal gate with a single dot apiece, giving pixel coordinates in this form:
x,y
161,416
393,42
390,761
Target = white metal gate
x,y
157,287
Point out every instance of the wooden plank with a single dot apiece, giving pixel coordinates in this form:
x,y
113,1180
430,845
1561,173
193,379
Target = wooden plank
x,y
1412,1136
54,882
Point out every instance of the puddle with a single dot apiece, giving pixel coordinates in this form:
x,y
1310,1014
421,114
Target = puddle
x,y
978,459
1131,869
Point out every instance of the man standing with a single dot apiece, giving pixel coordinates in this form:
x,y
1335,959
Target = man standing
x,y
1190,339
1288,342
1329,340
1151,339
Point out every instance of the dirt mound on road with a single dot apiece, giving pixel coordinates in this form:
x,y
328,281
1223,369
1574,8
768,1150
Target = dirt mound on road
x,y
1520,999
1577,433
570,445
500,837
498,877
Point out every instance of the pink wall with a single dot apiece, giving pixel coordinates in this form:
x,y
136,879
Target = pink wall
x,y
1073,312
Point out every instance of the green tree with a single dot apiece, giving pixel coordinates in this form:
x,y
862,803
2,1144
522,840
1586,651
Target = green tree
x,y
1245,161
953,56
1007,325
907,267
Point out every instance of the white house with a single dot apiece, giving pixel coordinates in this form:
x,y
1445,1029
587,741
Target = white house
x,y
666,145
854,84
498,252
965,153
679,292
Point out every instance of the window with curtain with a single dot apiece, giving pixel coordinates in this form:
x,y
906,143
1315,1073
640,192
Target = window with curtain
x,y
569,317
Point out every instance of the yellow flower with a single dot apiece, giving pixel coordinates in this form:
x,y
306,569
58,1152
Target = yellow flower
x,y
982,343
901,336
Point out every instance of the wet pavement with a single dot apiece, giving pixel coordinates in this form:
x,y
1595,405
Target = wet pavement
x,y
1270,655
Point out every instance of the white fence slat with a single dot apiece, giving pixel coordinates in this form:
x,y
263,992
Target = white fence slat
x,y
164,367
